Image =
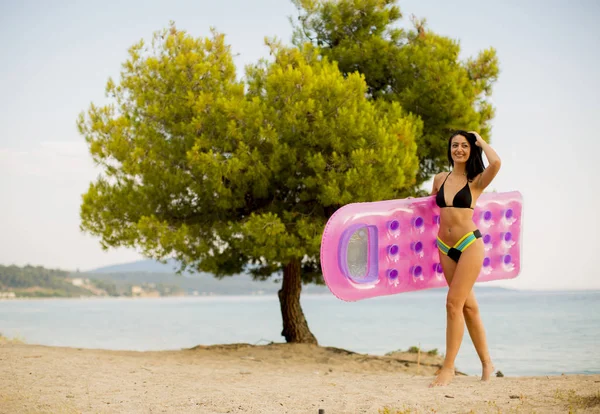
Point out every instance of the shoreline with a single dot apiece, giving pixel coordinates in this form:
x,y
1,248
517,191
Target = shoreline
x,y
485,289
271,378
270,295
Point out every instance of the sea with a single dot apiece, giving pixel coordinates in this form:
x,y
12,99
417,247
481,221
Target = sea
x,y
529,332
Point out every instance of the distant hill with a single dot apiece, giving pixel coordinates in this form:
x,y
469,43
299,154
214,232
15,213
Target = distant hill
x,y
124,280
145,276
149,265
151,271
37,281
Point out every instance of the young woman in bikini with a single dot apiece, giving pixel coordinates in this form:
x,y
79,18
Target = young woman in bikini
x,y
460,245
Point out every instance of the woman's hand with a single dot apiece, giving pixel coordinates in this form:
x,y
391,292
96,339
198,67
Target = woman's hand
x,y
478,140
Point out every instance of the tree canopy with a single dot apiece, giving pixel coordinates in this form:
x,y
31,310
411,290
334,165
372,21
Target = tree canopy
x,y
417,68
230,175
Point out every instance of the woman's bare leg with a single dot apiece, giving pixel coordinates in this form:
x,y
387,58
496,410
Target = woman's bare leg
x,y
464,277
472,320
477,334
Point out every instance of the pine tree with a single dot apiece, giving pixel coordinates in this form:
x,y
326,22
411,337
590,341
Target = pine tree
x,y
417,68
229,176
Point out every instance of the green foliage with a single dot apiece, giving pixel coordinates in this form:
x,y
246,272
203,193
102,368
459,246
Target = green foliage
x,y
38,282
416,68
107,286
413,349
227,176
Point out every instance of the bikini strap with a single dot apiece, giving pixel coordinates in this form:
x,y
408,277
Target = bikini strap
x,y
448,175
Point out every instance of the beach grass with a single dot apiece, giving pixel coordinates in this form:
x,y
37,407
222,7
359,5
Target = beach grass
x,y
577,401
16,340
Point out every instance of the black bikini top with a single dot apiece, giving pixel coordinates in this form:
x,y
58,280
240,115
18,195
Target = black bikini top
x,y
462,199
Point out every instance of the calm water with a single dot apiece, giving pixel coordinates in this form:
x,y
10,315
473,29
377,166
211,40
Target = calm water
x,y
530,333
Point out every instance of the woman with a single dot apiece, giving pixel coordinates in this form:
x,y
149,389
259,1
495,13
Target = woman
x,y
460,244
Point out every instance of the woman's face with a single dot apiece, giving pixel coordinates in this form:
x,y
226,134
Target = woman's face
x,y
460,149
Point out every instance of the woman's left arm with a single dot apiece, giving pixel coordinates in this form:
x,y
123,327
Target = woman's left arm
x,y
486,177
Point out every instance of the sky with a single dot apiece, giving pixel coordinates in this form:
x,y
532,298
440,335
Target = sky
x,y
57,57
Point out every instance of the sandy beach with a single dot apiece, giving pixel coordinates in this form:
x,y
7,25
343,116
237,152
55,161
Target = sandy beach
x,y
273,378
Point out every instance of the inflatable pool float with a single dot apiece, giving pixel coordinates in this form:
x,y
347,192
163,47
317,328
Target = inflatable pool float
x,y
388,247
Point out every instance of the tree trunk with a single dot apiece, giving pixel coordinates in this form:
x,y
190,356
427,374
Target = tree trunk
x,y
295,327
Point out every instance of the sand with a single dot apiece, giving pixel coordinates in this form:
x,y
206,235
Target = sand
x,y
273,378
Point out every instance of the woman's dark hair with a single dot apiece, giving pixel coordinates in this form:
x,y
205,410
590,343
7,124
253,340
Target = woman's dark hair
x,y
474,165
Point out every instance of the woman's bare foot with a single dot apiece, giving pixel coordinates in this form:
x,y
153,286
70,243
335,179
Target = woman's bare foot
x,y
487,369
444,377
